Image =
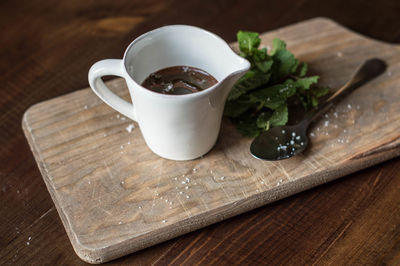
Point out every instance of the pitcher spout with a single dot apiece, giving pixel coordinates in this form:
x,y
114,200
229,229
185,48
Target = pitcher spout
x,y
237,68
241,67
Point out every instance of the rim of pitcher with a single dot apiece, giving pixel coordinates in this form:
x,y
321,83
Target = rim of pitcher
x,y
181,96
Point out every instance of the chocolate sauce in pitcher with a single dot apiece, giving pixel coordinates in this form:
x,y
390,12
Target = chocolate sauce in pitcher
x,y
179,80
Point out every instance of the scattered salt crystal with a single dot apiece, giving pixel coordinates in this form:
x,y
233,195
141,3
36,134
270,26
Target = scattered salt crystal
x,y
130,127
89,182
187,196
335,114
283,131
164,221
180,192
339,54
166,200
344,130
123,118
326,123
29,238
121,147
120,223
129,142
262,182
183,182
118,116
122,182
222,177
187,179
298,137
347,141
186,187
293,134
175,178
349,106
335,126
85,107
312,134
170,203
292,142
27,243
140,207
326,116
302,143
18,191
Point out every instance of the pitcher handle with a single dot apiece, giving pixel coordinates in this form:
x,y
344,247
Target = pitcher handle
x,y
113,67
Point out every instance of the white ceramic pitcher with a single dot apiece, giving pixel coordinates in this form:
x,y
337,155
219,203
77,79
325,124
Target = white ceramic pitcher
x,y
177,127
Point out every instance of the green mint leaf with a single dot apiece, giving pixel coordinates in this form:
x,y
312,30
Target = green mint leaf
x,y
314,101
250,81
320,91
303,83
263,120
274,96
247,126
261,60
303,70
284,63
280,116
277,45
236,108
248,42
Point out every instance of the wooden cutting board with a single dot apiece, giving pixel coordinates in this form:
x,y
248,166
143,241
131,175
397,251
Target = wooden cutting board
x,y
115,196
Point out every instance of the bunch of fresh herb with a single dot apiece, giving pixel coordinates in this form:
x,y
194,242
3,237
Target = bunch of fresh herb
x,y
259,100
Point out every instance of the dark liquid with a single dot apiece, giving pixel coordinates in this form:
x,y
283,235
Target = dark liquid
x,y
179,80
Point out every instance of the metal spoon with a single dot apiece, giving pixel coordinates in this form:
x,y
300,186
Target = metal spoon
x,y
286,141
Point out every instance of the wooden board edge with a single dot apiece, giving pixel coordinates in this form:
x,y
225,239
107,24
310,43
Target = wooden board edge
x,y
236,208
327,20
96,255
86,254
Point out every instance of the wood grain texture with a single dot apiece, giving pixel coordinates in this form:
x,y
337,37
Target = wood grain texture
x,y
115,197
47,49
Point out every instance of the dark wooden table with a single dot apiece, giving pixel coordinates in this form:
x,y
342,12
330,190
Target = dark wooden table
x,y
47,49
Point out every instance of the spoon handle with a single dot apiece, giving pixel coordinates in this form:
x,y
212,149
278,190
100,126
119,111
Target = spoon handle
x,y
366,72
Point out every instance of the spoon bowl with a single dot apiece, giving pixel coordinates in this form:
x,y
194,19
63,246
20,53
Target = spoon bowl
x,y
280,142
